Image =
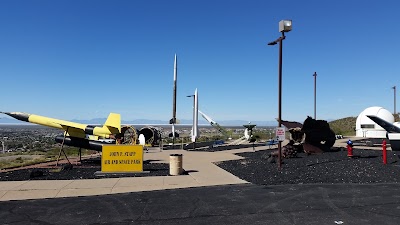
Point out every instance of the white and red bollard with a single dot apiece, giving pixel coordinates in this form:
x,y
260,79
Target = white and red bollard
x,y
384,153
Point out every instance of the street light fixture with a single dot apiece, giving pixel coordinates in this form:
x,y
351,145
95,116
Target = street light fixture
x,y
284,26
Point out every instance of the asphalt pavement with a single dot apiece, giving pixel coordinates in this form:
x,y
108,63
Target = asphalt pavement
x,y
208,195
227,204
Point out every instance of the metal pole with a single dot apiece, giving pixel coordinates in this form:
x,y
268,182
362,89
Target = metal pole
x,y
394,90
194,114
280,100
174,101
315,95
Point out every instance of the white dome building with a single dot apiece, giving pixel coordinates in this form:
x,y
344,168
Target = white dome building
x,y
365,127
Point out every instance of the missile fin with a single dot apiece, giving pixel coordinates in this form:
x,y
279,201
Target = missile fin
x,y
113,123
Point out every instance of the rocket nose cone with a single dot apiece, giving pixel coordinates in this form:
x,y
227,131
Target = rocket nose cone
x,y
7,113
18,115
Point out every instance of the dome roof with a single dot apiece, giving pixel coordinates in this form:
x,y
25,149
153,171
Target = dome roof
x,y
374,111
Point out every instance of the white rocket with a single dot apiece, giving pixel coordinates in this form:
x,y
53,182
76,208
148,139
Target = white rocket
x,y
195,127
211,121
173,120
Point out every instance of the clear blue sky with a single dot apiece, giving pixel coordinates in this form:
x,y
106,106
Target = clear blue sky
x,y
84,59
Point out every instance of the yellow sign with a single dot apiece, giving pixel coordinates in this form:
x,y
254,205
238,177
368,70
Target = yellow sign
x,y
122,158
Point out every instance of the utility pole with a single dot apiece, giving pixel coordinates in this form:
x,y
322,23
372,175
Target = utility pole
x,y
394,90
315,95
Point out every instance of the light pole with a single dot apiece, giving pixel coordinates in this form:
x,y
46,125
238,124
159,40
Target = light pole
x,y
284,26
195,117
192,96
394,90
315,95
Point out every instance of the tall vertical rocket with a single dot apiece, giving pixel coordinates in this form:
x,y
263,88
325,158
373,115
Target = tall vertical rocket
x,y
195,128
173,120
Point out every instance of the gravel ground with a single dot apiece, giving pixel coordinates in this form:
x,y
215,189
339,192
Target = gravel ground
x,y
329,167
85,170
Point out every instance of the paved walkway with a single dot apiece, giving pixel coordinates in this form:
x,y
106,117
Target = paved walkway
x,y
200,166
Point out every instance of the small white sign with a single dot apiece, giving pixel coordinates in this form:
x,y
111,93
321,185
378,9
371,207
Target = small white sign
x,y
280,133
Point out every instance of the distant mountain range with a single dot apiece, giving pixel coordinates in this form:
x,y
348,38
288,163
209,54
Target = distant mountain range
x,y
5,120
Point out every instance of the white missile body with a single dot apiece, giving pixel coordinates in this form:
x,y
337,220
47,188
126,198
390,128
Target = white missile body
x,y
195,127
211,121
173,120
175,69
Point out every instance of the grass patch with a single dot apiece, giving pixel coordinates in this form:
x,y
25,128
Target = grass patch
x,y
20,159
55,170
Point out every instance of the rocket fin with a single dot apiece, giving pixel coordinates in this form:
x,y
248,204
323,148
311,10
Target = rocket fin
x,y
113,123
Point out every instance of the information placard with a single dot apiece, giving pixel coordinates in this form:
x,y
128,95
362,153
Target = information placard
x,y
122,158
280,133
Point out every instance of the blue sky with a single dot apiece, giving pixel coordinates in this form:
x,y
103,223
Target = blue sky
x,y
84,59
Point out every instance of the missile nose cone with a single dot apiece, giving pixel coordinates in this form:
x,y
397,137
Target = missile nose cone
x,y
18,115
7,113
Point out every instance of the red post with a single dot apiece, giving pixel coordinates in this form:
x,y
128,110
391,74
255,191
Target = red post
x,y
384,153
349,150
